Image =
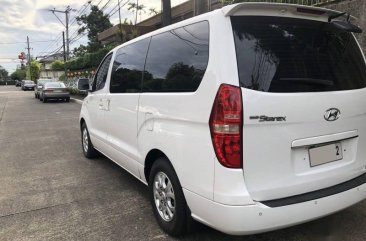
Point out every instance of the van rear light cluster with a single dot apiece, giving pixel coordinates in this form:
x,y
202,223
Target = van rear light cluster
x,y
226,125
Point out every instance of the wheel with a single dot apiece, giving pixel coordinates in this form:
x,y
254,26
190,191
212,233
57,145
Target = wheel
x,y
88,148
44,99
67,99
167,198
35,96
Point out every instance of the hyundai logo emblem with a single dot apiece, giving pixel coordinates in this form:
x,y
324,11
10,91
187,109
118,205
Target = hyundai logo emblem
x,y
332,114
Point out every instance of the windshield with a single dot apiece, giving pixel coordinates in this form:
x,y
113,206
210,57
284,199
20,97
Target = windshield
x,y
277,54
55,85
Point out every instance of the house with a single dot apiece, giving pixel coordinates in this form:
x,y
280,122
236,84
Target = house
x,y
46,71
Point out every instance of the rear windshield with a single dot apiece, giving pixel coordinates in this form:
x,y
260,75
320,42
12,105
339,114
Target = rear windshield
x,y
55,85
277,54
29,82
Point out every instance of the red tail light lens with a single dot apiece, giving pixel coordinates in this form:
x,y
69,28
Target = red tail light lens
x,y
226,125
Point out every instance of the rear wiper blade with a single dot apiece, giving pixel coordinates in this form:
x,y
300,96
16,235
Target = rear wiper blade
x,y
310,81
346,26
331,17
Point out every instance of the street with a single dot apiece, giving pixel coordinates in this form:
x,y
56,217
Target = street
x,y
50,191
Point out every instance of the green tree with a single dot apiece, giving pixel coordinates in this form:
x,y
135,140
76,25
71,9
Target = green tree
x,y
18,74
153,11
93,23
58,65
80,51
3,73
33,70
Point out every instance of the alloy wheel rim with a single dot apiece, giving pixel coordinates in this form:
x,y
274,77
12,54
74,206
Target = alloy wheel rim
x,y
85,140
164,196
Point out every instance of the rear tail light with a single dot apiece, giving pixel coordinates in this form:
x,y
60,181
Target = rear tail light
x,y
226,125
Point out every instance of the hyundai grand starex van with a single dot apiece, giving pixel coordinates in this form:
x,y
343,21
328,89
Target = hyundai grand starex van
x,y
236,117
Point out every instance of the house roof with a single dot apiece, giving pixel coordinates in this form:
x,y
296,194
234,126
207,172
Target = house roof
x,y
51,58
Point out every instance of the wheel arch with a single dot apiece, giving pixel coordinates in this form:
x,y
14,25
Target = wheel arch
x,y
151,157
82,121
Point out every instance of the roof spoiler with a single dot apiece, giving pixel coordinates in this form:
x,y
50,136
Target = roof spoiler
x,y
338,19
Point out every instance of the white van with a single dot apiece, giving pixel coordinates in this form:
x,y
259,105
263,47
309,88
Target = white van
x,y
247,119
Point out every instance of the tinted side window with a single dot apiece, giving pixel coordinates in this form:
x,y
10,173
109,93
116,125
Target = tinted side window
x,y
128,67
177,59
101,76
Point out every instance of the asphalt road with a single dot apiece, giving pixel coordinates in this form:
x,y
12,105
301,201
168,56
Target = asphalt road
x,y
49,191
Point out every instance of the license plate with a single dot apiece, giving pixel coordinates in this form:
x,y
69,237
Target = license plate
x,y
324,154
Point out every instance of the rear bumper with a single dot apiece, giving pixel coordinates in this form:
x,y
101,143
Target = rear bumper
x,y
257,218
56,95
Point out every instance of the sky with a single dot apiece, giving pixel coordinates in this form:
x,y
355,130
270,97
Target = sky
x,y
32,18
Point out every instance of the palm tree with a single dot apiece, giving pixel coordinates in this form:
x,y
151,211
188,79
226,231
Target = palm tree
x,y
167,12
152,11
135,7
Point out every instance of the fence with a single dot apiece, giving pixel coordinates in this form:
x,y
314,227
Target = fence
x,y
7,82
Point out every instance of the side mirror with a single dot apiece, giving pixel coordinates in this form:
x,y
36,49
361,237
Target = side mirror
x,y
83,85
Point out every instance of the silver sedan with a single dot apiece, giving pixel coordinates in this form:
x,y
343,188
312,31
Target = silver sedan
x,y
54,90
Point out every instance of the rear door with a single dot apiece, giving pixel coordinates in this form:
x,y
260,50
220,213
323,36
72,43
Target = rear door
x,y
304,99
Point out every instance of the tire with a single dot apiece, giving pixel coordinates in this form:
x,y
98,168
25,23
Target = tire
x,y
44,99
35,96
177,223
86,144
67,99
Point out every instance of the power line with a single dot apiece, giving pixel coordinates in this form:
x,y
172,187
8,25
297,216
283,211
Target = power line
x,y
119,8
107,3
99,3
37,41
55,43
79,13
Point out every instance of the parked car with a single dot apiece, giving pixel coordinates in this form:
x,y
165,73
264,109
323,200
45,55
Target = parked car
x,y
39,86
54,90
18,83
248,119
27,85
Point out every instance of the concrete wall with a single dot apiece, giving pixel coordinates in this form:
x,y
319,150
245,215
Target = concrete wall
x,y
356,8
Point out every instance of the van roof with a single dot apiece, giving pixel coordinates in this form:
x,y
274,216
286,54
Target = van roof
x,y
281,9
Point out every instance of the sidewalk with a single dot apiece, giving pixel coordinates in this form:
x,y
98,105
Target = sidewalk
x,y
77,98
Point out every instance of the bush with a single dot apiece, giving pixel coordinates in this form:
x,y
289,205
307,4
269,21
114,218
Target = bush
x,y
58,65
74,91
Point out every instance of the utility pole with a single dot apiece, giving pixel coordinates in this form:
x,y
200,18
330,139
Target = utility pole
x,y
120,21
167,12
63,44
67,13
29,59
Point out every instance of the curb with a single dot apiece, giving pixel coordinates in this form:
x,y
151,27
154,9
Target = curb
x,y
76,100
